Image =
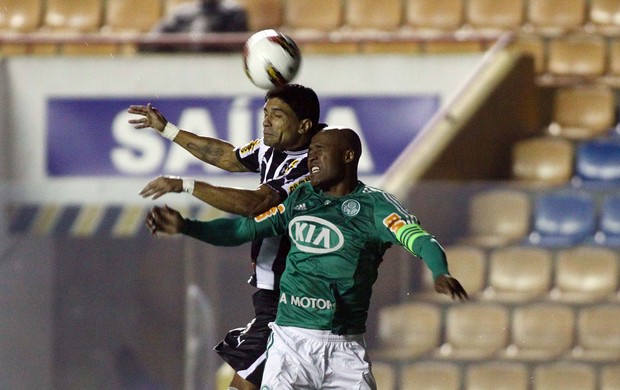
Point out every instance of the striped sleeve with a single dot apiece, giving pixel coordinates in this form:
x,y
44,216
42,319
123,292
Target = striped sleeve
x,y
424,246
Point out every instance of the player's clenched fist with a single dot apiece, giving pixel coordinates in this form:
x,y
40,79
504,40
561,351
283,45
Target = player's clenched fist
x,y
164,220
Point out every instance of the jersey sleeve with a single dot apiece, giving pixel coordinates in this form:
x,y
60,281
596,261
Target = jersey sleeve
x,y
296,173
400,227
249,155
236,231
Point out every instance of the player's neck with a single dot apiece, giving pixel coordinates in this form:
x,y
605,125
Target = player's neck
x,y
342,188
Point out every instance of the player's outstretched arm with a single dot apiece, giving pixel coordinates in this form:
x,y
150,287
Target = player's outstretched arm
x,y
446,284
231,200
210,150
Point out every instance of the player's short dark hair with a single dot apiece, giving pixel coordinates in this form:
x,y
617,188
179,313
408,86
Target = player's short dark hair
x,y
303,101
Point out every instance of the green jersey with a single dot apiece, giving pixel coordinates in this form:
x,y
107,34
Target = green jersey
x,y
337,244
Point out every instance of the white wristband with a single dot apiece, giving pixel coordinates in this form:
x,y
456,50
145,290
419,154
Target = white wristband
x,y
188,185
170,131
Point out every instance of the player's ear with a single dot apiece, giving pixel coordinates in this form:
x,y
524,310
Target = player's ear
x,y
305,126
349,155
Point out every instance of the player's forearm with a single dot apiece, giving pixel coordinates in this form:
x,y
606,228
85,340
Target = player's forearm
x,y
210,150
219,232
235,200
423,245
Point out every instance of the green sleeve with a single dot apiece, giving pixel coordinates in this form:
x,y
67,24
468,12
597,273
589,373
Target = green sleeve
x,y
424,246
219,232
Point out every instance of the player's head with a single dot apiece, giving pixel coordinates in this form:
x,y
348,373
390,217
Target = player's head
x,y
333,157
291,117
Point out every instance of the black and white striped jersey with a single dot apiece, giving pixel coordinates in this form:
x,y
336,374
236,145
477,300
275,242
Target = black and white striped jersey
x,y
283,171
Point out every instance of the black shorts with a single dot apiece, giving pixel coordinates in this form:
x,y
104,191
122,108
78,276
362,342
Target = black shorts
x,y
245,349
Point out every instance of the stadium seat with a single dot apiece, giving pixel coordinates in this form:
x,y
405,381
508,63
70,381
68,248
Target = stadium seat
x,y
385,375
431,375
534,46
78,16
407,330
613,71
434,16
497,376
475,331
467,264
610,377
170,5
519,273
577,55
313,15
604,15
120,15
565,376
541,331
370,15
543,161
608,233
20,16
585,274
263,14
552,16
598,333
563,218
582,112
498,217
505,15
597,161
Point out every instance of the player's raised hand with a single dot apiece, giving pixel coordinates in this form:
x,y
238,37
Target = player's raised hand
x,y
150,117
162,185
446,284
164,220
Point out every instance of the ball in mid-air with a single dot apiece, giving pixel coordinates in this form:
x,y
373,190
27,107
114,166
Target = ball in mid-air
x,y
270,59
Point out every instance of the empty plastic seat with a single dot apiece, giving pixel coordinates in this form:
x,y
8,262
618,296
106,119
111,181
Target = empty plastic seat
x,y
610,377
563,218
534,46
605,15
263,14
385,375
120,15
519,273
20,15
565,376
431,375
498,217
497,376
552,16
475,331
577,55
433,15
543,160
598,161
74,15
467,264
609,223
541,331
407,330
598,333
585,273
495,14
368,14
316,15
583,112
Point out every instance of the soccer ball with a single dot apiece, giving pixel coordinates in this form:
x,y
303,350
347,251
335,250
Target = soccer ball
x,y
270,59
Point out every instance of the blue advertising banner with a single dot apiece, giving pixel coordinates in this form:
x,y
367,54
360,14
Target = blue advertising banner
x,y
91,136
